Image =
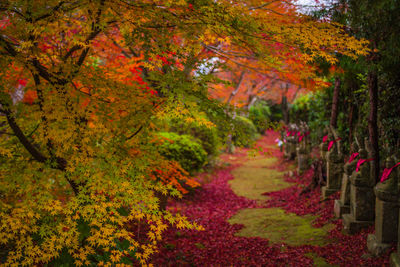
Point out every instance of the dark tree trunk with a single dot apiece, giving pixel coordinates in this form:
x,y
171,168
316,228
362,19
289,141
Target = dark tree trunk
x,y
373,122
350,125
285,111
335,102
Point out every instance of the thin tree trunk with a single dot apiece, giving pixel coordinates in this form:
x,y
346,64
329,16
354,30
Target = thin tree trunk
x,y
251,98
251,101
236,90
229,141
295,93
373,122
284,106
335,102
285,111
350,125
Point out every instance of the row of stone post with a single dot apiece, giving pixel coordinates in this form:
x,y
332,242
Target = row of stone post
x,y
362,203
290,141
297,145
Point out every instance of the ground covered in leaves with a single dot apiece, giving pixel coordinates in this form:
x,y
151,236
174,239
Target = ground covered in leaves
x,y
254,215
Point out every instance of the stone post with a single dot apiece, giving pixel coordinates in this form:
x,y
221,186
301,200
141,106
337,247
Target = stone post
x,y
395,256
285,144
386,213
292,148
342,205
323,149
302,160
290,145
334,171
362,199
303,153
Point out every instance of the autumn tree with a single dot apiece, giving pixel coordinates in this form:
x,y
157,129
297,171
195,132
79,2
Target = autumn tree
x,y
81,85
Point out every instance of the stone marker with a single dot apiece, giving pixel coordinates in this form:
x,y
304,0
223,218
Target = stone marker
x,y
291,141
362,198
288,152
303,149
302,159
395,256
285,143
342,205
386,213
334,168
323,149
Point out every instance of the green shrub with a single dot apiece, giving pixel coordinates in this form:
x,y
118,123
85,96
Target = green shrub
x,y
207,137
245,133
259,114
183,149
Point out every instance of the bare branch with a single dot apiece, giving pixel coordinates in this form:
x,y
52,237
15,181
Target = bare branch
x,y
22,138
236,90
135,133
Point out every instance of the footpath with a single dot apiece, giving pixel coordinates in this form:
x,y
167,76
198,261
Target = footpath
x,y
255,214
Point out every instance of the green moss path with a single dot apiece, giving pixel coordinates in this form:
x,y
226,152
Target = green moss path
x,y
245,227
257,175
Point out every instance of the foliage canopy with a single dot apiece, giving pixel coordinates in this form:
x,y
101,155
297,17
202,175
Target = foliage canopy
x,y
81,83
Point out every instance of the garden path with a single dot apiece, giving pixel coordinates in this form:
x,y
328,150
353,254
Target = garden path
x,y
254,215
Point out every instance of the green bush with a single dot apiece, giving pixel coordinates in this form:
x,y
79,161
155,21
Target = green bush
x,y
207,137
260,114
183,149
245,132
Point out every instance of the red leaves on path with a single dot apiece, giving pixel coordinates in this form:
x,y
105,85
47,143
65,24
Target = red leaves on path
x,y
215,203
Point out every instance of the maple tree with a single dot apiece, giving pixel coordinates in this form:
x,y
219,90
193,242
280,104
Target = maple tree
x,y
81,84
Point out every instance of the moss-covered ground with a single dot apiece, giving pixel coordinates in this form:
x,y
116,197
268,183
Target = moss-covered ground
x,y
252,179
256,177
255,213
278,226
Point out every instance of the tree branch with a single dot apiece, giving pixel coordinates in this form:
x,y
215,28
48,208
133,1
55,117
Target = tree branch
x,y
22,138
61,163
95,31
135,133
236,90
263,5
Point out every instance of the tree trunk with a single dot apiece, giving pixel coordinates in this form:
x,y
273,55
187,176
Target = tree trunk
x,y
236,90
335,102
284,106
285,110
373,122
350,125
252,99
229,141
